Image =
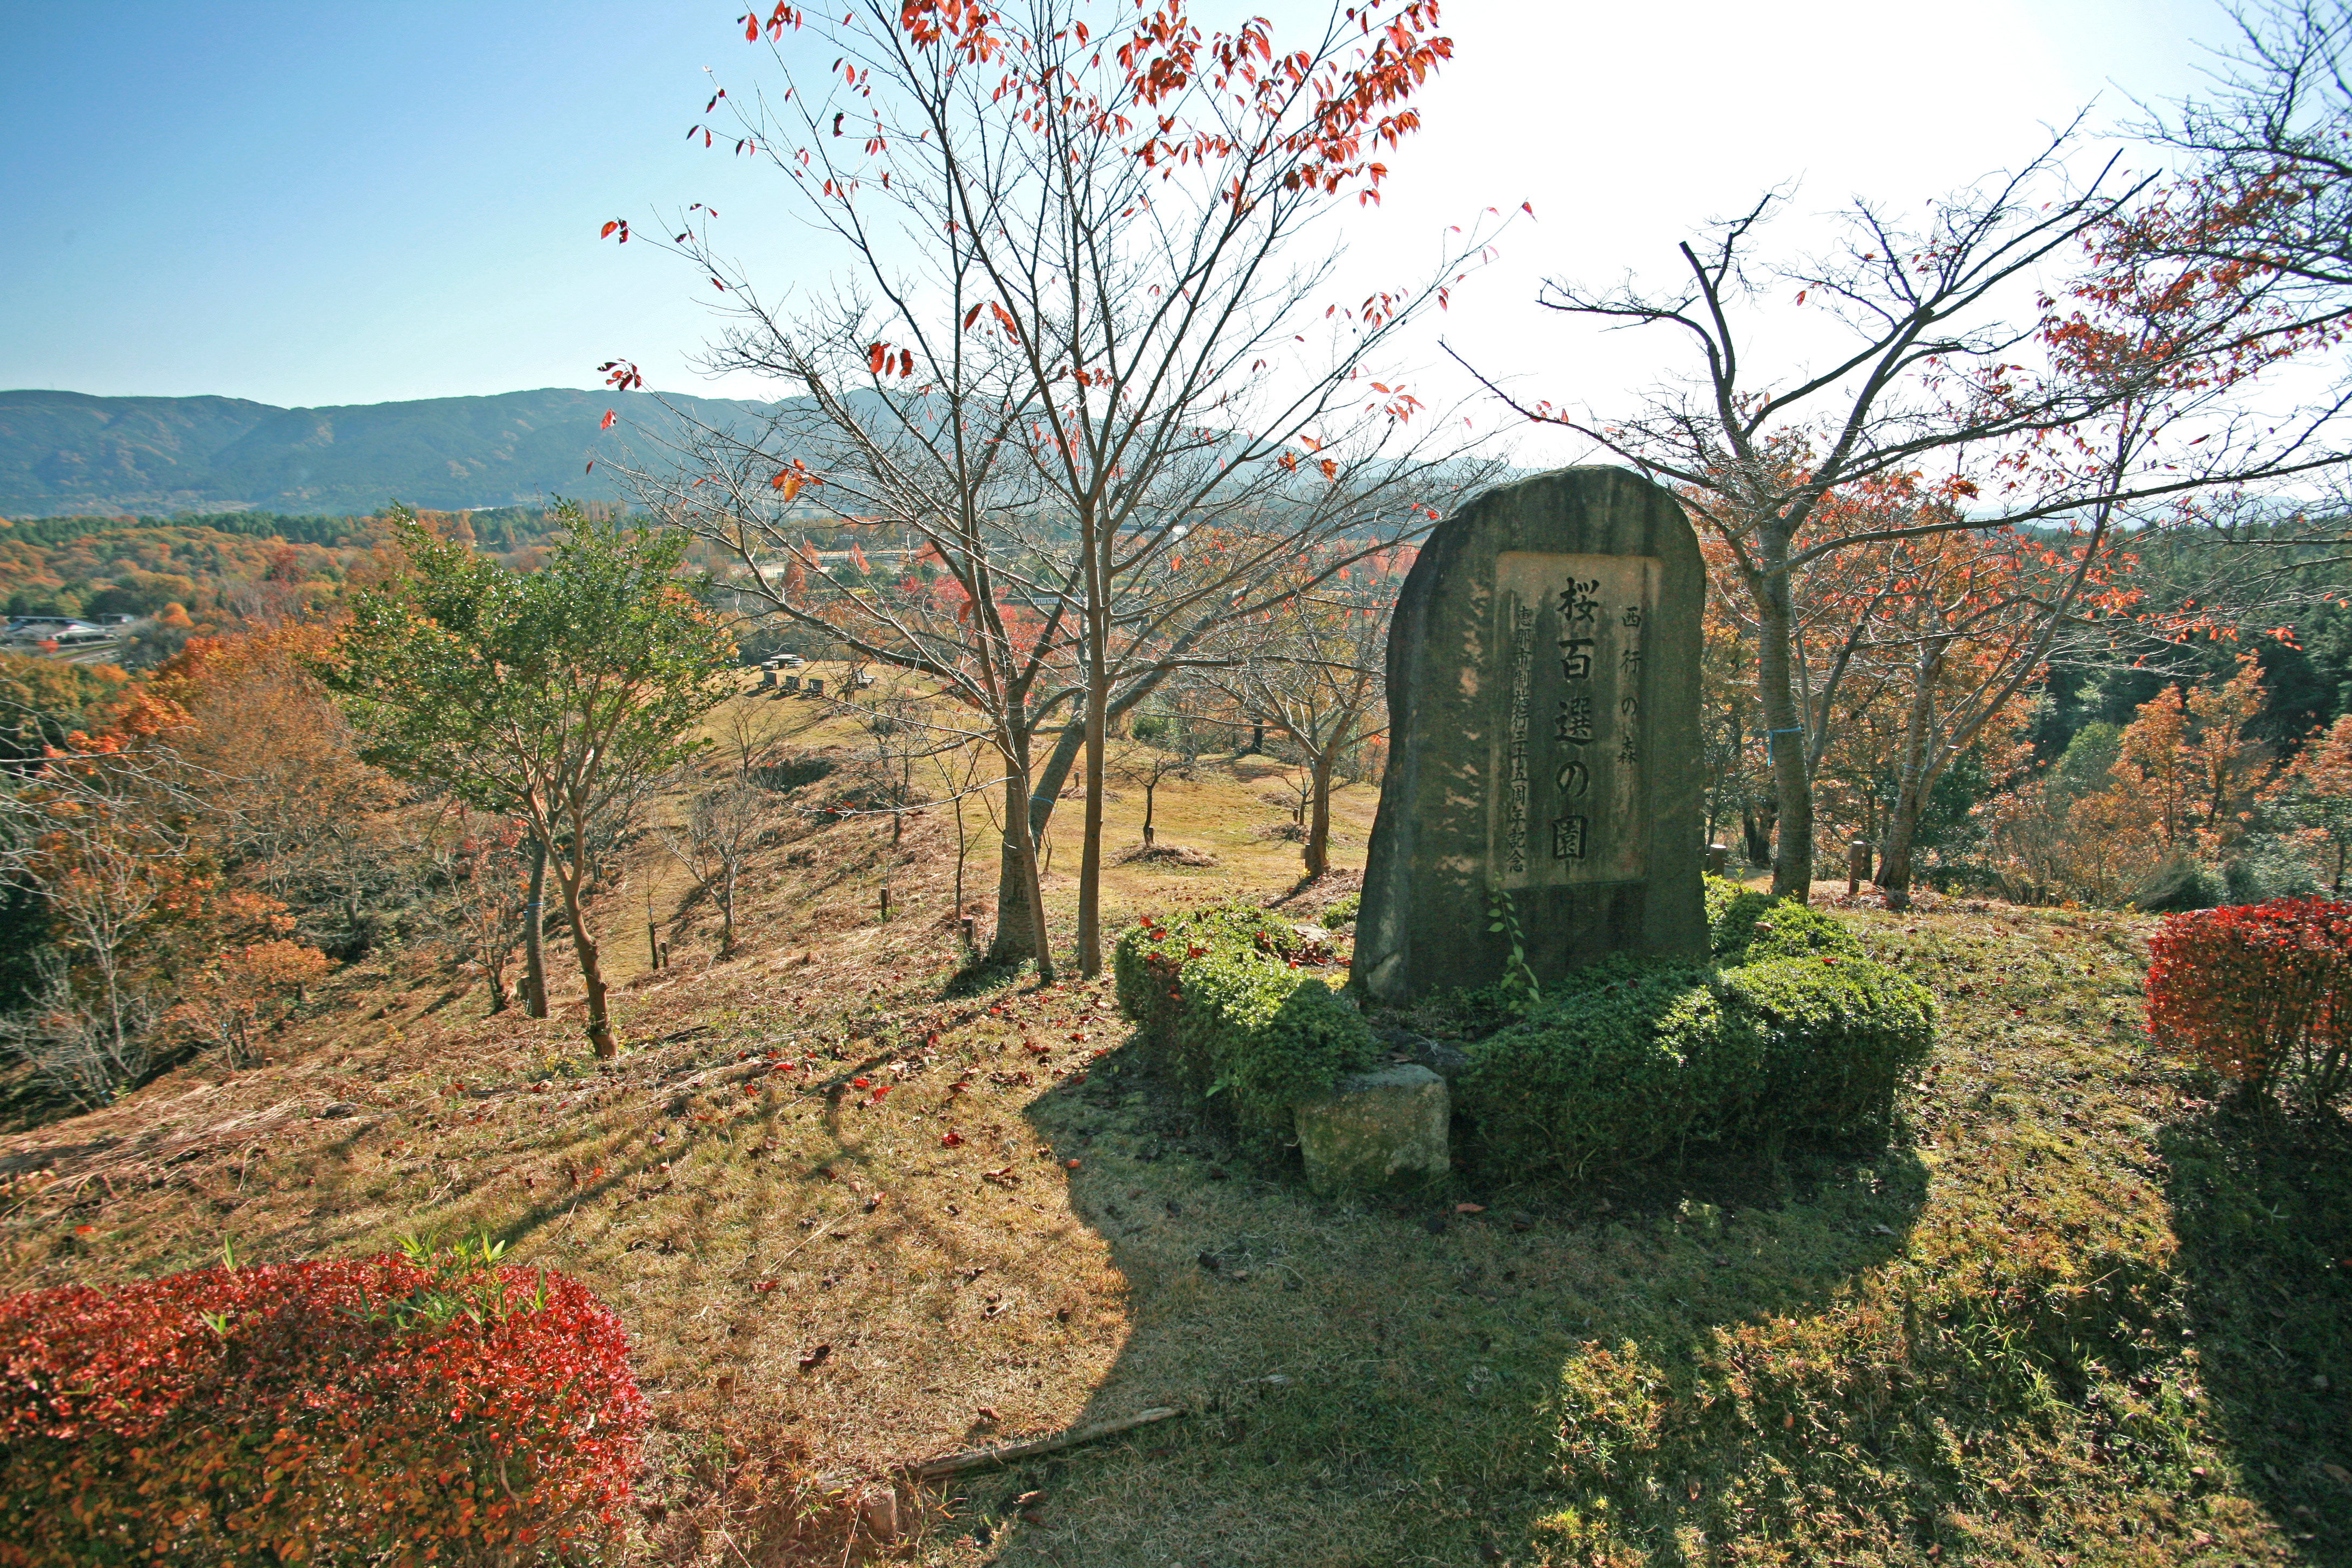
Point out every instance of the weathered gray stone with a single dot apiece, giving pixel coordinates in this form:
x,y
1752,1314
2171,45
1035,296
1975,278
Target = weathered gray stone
x,y
1376,1130
1543,694
1447,1062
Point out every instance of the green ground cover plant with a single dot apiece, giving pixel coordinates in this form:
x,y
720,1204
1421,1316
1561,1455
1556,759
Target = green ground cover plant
x,y
1789,1031
1221,1002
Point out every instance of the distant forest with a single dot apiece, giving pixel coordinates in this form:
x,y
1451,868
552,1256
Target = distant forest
x,y
209,573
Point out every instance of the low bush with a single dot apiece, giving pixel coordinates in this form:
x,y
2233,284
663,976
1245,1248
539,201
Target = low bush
x,y
1792,1032
1342,910
2262,994
1219,1001
1743,925
395,1410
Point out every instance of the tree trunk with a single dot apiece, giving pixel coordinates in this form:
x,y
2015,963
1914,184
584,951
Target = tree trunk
x,y
961,849
534,922
1098,742
1044,790
727,916
1793,864
1020,907
1915,775
1013,940
1016,933
592,974
1895,853
1318,830
1035,885
1151,787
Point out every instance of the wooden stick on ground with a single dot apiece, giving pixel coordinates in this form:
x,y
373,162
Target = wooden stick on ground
x,y
973,1459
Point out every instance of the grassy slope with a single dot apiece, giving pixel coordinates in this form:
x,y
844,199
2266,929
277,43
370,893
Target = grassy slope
x,y
2078,1313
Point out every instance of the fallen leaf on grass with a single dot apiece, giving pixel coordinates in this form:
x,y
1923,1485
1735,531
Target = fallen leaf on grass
x,y
1469,1208
815,1358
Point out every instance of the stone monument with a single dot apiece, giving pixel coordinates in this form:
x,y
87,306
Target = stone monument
x,y
1543,739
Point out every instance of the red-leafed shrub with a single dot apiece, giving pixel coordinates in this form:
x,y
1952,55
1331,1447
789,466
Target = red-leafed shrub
x,y
390,1410
2260,992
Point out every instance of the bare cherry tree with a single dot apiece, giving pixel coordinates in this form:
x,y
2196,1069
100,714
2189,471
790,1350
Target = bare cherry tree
x,y
1312,667
724,822
1079,365
1976,351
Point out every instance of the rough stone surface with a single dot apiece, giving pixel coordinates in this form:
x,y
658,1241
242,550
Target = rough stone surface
x,y
1376,1130
1447,1062
1543,693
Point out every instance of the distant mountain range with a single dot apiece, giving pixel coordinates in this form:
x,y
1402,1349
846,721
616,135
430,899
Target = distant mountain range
x,y
65,453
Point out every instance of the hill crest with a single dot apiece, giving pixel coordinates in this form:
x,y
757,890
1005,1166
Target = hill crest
x,y
70,452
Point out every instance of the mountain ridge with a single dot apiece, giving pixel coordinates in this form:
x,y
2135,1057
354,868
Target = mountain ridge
x,y
65,453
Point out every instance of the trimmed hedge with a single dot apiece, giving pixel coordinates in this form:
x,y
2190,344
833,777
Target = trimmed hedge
x,y
1743,925
381,1411
1792,1032
1218,999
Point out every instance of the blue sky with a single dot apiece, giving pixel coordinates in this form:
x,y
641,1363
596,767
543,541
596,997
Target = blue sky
x,y
307,205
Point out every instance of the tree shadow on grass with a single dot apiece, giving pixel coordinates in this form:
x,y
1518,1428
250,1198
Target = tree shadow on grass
x,y
2263,1212
1621,1369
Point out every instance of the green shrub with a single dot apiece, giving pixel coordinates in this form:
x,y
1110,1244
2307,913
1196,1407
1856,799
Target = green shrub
x,y
1221,1003
1636,1058
1341,911
1743,925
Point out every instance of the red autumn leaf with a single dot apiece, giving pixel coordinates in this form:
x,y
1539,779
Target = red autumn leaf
x,y
607,423
950,1140
857,1083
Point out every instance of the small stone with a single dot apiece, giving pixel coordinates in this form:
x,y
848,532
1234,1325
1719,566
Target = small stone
x,y
340,1108
879,1509
1376,1130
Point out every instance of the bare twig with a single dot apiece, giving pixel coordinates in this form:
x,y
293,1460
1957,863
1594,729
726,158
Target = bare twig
x,y
973,1459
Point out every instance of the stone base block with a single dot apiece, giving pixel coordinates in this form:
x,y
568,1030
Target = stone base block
x,y
1375,1130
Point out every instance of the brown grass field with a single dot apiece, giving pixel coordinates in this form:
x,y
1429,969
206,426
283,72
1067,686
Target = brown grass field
x,y
2081,1310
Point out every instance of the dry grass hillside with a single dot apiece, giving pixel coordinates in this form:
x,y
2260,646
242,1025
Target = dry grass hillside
x,y
856,1213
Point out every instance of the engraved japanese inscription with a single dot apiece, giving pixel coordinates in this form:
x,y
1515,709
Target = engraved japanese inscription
x,y
1568,804
1543,699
